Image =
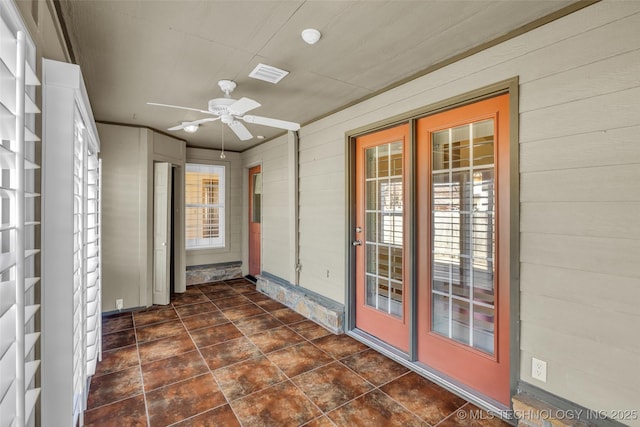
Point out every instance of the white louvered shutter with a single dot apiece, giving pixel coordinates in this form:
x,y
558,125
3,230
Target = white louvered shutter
x,y
18,311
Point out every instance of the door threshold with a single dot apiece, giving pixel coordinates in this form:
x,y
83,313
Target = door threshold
x,y
483,402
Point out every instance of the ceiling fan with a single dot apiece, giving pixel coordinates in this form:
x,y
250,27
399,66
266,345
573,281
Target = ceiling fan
x,y
229,110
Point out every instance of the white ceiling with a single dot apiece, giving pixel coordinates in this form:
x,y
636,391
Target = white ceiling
x,y
174,52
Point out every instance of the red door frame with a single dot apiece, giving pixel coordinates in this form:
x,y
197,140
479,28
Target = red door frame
x,y
386,327
254,228
490,375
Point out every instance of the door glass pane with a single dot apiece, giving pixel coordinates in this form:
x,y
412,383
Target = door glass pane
x,y
384,227
257,197
463,234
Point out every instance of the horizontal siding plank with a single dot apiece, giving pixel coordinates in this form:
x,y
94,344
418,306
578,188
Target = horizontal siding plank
x,y
595,219
599,113
600,148
617,257
605,76
591,323
598,184
597,393
583,353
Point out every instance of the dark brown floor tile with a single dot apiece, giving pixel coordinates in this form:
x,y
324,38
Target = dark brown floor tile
x,y
257,324
204,319
231,302
429,401
257,296
165,347
229,352
215,335
281,405
173,369
332,385
129,412
275,339
247,377
182,400
115,324
186,299
159,330
322,421
191,289
221,293
271,305
472,416
193,309
117,360
116,386
244,289
376,368
242,312
299,358
309,329
374,409
238,281
118,339
339,346
212,287
288,316
222,416
144,318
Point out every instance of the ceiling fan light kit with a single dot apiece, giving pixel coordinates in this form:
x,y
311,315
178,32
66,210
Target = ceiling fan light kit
x,y
191,128
228,111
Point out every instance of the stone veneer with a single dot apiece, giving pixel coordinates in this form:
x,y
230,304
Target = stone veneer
x,y
318,308
198,274
532,412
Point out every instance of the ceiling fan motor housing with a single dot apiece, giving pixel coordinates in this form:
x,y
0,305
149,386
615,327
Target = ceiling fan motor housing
x,y
220,106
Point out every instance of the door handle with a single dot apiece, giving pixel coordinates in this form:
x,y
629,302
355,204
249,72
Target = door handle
x,y
357,242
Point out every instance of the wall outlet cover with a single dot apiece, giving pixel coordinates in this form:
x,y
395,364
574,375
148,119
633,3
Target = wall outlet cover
x,y
539,369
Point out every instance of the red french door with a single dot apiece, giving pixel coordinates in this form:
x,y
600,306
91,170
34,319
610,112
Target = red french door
x,y
462,248
255,215
381,288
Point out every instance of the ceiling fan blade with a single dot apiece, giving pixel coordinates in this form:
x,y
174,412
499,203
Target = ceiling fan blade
x,y
243,105
179,107
266,121
195,122
240,130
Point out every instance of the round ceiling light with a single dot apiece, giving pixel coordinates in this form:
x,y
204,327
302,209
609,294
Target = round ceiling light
x,y
191,128
311,35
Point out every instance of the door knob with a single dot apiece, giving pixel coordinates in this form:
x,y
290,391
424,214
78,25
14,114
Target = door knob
x,y
357,242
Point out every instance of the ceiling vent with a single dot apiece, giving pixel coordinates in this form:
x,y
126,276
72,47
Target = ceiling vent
x,y
268,73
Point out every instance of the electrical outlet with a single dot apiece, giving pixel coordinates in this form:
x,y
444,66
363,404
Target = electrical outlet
x,y
539,370
119,304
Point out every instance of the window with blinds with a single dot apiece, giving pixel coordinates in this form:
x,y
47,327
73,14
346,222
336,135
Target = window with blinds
x,y
204,206
18,308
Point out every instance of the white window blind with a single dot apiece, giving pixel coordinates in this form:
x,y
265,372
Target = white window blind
x,y
204,206
18,310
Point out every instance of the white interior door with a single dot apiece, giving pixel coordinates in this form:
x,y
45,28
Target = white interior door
x,y
161,232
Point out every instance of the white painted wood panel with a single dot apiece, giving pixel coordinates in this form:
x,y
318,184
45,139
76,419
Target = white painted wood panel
x,y
592,219
600,148
619,183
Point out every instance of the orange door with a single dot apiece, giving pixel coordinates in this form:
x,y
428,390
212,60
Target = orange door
x,y
381,288
255,213
463,245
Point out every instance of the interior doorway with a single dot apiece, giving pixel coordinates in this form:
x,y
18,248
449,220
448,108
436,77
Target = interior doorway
x,y
164,232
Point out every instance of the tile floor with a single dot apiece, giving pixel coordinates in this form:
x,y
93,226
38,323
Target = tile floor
x,y
223,354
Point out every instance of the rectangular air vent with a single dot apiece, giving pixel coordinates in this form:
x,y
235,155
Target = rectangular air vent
x,y
268,73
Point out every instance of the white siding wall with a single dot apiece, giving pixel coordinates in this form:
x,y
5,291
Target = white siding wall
x,y
274,161
580,194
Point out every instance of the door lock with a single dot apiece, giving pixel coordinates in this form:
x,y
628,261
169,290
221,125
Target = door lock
x,y
357,242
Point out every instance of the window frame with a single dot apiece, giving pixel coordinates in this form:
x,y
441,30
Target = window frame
x,y
223,205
